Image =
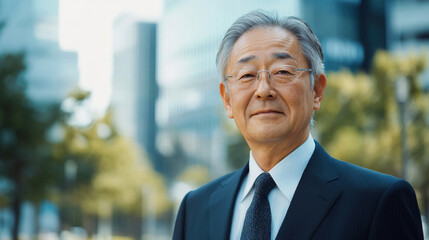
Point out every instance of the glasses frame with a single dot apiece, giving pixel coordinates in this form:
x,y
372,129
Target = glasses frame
x,y
269,73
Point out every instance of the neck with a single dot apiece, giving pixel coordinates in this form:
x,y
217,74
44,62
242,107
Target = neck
x,y
267,155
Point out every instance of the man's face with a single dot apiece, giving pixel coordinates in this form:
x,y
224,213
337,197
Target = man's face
x,y
268,110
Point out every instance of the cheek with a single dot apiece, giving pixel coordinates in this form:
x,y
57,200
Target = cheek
x,y
239,101
298,99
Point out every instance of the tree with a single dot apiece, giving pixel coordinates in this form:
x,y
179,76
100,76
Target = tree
x,y
237,148
195,175
359,121
26,162
110,171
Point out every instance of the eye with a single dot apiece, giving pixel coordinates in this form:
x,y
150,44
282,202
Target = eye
x,y
283,72
247,75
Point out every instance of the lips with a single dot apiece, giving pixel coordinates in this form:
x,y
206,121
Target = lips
x,y
266,111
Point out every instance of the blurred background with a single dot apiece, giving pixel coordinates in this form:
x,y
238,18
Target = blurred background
x,y
110,111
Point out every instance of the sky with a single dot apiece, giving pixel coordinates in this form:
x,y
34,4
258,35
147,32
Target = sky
x,y
85,27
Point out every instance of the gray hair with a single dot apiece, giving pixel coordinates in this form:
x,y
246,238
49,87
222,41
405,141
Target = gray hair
x,y
310,44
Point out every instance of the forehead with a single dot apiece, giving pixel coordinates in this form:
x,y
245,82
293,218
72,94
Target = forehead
x,y
264,42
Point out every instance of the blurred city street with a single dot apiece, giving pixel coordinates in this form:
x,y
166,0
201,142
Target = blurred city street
x,y
110,110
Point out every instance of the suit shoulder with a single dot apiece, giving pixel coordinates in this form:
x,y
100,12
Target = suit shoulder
x,y
359,176
387,204
207,189
350,174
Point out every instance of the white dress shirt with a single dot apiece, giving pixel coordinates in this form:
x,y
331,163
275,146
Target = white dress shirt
x,y
286,174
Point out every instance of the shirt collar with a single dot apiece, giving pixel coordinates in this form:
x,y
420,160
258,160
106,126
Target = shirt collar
x,y
287,173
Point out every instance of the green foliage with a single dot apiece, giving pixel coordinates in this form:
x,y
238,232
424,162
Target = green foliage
x,y
112,171
106,172
238,152
359,122
27,168
237,148
25,154
359,118
195,175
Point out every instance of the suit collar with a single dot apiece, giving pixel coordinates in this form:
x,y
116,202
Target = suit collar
x,y
313,197
222,203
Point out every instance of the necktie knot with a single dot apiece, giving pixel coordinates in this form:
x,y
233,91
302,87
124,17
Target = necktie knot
x,y
264,183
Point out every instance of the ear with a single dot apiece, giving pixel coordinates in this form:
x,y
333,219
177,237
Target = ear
x,y
226,100
319,89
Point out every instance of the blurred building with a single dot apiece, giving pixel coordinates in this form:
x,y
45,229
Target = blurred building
x,y
134,87
350,31
31,27
408,29
190,113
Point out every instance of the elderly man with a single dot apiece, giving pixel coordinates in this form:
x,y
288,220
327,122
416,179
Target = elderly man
x,y
273,81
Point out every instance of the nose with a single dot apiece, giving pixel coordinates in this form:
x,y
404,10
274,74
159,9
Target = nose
x,y
264,89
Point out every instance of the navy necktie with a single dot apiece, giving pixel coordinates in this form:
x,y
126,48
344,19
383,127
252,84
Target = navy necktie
x,y
257,224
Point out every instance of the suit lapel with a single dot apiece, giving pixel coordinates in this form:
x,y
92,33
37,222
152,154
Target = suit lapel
x,y
222,203
312,199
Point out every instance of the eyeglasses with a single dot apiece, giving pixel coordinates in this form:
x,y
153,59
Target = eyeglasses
x,y
278,74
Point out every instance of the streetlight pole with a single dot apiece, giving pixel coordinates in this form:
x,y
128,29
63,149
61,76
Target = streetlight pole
x,y
149,205
401,93
70,172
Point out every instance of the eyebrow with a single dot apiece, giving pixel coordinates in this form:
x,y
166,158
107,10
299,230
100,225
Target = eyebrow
x,y
246,59
275,55
282,56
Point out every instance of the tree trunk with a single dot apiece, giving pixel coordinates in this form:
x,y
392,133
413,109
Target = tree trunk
x,y
36,220
88,223
17,198
104,230
64,223
16,208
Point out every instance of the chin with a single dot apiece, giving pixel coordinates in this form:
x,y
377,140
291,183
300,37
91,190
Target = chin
x,y
269,135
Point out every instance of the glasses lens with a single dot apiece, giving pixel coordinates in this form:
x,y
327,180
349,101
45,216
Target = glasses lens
x,y
283,73
277,73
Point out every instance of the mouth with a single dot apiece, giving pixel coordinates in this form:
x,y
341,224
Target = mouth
x,y
266,112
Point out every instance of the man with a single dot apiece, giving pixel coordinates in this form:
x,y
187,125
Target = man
x,y
273,80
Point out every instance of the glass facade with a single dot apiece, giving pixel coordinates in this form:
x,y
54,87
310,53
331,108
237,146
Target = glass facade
x,y
350,31
135,89
31,27
408,29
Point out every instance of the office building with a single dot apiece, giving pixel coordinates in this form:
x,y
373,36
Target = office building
x,y
134,87
31,27
408,29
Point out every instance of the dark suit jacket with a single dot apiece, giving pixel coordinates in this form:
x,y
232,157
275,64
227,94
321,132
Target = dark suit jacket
x,y
333,200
